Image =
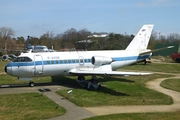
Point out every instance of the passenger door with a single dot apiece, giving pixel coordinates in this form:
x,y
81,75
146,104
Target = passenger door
x,y
81,60
38,65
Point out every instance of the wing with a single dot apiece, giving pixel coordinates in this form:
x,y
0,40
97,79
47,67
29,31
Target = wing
x,y
104,72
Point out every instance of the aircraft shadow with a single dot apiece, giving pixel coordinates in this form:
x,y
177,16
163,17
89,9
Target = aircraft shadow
x,y
68,82
72,83
112,78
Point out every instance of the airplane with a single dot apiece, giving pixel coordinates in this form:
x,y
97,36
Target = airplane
x,y
82,63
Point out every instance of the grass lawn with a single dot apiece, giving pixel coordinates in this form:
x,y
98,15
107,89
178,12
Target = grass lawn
x,y
2,65
116,91
29,106
7,79
155,67
173,84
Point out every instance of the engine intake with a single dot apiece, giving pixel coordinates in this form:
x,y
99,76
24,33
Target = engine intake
x,y
100,60
5,57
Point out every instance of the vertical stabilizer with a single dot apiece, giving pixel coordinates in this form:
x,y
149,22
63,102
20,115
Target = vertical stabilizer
x,y
141,40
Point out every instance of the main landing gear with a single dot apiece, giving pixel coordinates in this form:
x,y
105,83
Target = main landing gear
x,y
31,84
89,84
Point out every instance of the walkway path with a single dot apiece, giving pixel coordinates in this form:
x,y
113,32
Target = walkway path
x,y
73,112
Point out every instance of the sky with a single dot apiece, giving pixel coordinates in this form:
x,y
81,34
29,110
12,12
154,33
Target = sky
x,y
36,17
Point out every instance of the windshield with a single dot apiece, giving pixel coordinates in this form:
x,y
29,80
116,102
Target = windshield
x,y
22,59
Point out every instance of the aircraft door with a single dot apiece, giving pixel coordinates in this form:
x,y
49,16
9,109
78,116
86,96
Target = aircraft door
x,y
81,60
38,65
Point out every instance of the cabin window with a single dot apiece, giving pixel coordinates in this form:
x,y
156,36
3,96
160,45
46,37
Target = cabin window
x,y
48,62
52,61
61,61
69,61
65,61
89,60
77,61
56,61
73,61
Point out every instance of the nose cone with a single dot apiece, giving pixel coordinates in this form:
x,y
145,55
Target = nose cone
x,y
7,69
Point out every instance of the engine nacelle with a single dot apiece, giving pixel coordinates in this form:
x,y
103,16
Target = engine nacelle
x,y
5,57
100,60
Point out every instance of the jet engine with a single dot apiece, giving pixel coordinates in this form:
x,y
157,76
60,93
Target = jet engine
x,y
5,57
100,60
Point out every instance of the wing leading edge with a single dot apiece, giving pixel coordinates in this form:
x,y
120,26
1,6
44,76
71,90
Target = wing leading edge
x,y
116,73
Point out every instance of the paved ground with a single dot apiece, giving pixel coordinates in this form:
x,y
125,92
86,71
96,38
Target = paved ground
x,y
77,113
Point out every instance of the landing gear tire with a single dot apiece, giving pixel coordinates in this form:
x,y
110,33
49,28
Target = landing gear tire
x,y
81,78
31,84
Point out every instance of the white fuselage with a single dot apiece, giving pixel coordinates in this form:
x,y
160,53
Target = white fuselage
x,y
60,63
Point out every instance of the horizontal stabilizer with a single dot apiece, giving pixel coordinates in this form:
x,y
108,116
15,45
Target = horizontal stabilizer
x,y
152,51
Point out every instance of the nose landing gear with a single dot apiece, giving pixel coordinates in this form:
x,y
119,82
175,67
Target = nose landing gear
x,y
31,84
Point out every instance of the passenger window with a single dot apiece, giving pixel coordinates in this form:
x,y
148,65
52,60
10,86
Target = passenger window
x,y
77,61
69,61
48,62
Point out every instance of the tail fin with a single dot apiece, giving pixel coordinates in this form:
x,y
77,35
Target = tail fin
x,y
141,40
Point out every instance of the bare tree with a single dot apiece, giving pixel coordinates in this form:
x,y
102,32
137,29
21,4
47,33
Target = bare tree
x,y
6,34
47,39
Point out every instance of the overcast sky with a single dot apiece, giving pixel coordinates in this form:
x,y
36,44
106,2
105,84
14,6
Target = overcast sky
x,y
36,17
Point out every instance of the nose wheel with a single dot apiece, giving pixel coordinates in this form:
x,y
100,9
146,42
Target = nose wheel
x,y
31,84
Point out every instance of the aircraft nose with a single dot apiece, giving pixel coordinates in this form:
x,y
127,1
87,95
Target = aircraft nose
x,y
7,69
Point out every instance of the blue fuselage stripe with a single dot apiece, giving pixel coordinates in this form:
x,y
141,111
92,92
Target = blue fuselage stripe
x,y
73,61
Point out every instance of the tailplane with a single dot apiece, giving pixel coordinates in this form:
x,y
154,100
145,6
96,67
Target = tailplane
x,y
141,40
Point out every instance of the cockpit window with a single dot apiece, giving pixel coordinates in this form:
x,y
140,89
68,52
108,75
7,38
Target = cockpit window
x,y
22,59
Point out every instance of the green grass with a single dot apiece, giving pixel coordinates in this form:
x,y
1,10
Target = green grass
x,y
139,116
116,91
7,79
156,67
29,106
173,84
2,65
